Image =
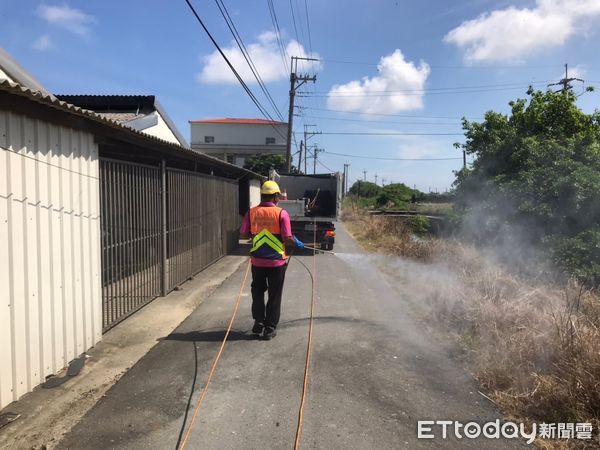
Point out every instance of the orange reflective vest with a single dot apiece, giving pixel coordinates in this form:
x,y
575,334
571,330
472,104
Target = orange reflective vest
x,y
265,229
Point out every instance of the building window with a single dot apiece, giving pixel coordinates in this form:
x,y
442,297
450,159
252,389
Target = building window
x,y
230,159
270,140
209,139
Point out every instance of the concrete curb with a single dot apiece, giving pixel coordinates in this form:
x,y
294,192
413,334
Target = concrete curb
x,y
48,414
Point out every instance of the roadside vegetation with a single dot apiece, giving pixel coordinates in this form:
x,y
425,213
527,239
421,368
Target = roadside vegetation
x,y
517,279
536,178
262,163
399,197
533,346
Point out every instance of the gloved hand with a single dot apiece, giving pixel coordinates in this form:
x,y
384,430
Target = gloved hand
x,y
299,243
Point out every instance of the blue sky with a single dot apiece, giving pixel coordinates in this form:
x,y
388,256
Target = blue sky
x,y
385,66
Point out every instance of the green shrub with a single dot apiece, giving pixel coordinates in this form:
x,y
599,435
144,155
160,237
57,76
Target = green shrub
x,y
419,224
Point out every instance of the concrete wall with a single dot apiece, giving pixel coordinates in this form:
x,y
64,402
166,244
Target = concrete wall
x,y
254,192
50,250
238,134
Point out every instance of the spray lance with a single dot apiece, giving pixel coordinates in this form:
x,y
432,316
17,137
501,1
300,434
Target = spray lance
x,y
318,250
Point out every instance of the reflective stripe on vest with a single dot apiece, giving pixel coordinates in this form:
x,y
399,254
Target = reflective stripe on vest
x,y
266,233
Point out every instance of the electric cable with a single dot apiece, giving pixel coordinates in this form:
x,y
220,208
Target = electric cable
x,y
391,159
408,93
370,133
394,115
261,108
455,88
238,39
282,50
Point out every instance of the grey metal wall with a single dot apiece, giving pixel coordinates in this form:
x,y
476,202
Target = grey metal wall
x,y
149,249
49,250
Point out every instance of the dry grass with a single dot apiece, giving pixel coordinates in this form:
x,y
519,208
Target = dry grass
x,y
535,348
431,208
395,236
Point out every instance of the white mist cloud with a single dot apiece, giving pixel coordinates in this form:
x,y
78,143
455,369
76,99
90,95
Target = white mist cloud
x,y
42,43
70,19
511,34
265,54
396,74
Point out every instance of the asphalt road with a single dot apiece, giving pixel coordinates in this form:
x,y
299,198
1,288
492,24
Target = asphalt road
x,y
376,371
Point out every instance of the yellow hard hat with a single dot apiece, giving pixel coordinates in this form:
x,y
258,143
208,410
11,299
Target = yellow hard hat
x,y
269,188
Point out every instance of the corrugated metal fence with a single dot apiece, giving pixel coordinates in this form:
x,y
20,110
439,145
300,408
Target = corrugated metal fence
x,y
49,244
151,242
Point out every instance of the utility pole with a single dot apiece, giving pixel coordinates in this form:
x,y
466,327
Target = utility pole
x,y
346,173
315,154
457,145
364,175
383,181
565,81
295,82
307,136
305,159
375,178
300,157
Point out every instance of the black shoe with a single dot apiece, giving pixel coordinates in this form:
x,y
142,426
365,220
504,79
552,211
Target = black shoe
x,y
258,327
269,333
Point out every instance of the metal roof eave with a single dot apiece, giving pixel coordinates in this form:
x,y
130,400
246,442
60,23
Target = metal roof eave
x,y
167,147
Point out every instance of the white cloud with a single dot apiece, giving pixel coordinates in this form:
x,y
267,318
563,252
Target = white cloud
x,y
396,74
265,55
71,19
43,43
511,34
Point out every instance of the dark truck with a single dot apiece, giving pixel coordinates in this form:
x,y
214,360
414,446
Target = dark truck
x,y
313,201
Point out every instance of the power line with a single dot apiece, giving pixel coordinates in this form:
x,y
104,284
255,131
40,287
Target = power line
x,y
413,93
367,133
435,66
238,39
310,47
390,159
294,22
284,55
261,108
300,21
394,115
451,88
327,168
386,121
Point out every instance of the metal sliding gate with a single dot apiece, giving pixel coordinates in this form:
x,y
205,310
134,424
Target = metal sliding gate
x,y
199,222
201,218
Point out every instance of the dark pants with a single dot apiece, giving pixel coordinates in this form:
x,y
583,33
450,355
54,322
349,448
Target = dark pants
x,y
271,279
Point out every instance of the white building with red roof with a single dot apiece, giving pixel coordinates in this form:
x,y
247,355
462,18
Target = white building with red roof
x,y
234,140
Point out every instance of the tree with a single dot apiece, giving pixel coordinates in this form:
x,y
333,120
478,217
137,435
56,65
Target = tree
x,y
365,189
536,175
396,194
263,162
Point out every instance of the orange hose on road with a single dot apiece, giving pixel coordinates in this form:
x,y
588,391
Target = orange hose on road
x,y
216,360
306,366
309,345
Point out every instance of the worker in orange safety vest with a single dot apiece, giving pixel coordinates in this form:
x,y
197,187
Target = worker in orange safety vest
x,y
271,231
